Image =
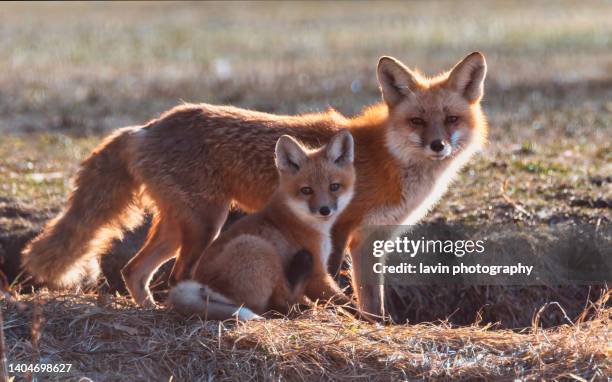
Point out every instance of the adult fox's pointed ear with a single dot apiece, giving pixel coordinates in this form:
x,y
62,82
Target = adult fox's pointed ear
x,y
467,77
341,149
395,79
290,155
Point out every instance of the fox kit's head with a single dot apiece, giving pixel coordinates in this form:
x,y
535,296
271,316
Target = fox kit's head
x,y
318,184
437,118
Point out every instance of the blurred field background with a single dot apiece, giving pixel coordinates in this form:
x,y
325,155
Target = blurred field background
x,y
71,73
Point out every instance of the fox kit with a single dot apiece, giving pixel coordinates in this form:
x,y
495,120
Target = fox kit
x,y
195,161
269,259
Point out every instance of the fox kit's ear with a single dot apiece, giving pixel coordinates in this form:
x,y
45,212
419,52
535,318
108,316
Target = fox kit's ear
x,y
290,155
395,79
340,149
467,77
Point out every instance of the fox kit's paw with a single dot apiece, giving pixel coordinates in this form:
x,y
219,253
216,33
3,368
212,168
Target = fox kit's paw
x,y
299,268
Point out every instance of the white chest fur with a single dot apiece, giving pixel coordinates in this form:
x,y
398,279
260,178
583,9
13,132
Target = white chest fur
x,y
326,248
422,185
417,185
325,243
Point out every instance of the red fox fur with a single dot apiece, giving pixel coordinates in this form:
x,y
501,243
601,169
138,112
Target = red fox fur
x,y
195,161
270,259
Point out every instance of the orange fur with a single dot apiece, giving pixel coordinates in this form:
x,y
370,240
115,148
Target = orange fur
x,y
247,264
196,160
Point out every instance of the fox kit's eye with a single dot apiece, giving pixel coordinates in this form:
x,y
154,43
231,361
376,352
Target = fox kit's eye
x,y
417,121
451,119
334,187
306,190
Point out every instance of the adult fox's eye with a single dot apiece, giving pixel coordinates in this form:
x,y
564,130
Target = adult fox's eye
x,y
417,121
334,187
306,190
451,119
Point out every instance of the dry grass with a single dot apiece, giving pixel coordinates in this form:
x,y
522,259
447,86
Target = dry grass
x,y
109,339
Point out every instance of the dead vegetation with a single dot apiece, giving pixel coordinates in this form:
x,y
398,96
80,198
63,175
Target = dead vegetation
x,y
107,338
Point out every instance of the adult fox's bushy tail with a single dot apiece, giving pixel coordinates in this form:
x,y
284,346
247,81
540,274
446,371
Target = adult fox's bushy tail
x,y
102,203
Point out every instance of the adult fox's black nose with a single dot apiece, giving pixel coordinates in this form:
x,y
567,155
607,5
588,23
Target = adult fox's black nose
x,y
324,211
437,145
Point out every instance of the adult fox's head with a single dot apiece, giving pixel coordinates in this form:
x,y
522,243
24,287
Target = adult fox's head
x,y
318,184
433,118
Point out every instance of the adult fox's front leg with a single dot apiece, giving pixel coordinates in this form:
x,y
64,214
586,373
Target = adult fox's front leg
x,y
369,296
341,233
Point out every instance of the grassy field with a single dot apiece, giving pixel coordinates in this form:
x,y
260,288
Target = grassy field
x,y
71,73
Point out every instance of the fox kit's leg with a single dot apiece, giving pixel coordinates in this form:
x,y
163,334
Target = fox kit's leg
x,y
340,237
321,286
198,230
162,244
247,271
298,271
290,290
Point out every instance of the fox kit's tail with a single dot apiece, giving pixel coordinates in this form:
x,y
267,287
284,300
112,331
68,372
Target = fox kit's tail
x,y
66,252
189,297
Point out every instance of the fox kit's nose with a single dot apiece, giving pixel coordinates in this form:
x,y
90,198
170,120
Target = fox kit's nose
x,y
325,211
437,145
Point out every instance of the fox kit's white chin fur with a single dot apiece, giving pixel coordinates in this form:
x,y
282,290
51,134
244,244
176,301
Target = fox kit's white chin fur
x,y
322,225
302,212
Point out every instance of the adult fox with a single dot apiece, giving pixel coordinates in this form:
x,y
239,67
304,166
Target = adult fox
x,y
195,161
272,258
